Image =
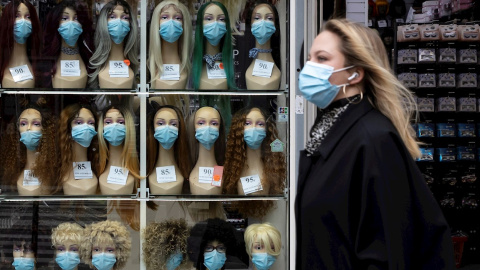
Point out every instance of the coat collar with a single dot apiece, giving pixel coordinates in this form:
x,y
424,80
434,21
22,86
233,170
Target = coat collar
x,y
339,129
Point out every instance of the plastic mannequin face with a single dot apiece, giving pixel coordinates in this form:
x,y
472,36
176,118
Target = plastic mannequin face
x,y
258,247
215,244
212,14
23,251
255,119
207,116
84,117
107,247
68,245
165,116
119,13
31,120
113,116
169,13
22,12
68,15
263,12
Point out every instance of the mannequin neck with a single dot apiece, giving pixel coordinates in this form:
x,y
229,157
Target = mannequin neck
x,y
79,152
116,53
30,162
115,155
210,49
264,56
170,52
206,158
20,53
254,156
165,157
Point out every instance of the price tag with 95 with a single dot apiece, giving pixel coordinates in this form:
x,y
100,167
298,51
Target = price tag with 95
x,y
166,174
205,175
21,73
29,179
117,175
70,68
118,69
262,68
82,170
251,184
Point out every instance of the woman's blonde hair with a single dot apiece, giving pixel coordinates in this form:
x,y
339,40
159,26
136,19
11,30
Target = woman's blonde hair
x,y
363,48
266,234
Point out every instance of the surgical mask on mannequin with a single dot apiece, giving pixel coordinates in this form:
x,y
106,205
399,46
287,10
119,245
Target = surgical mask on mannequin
x,y
260,258
23,256
171,24
166,127
104,256
254,129
118,24
207,124
67,256
30,128
114,130
214,255
263,23
214,25
22,28
70,29
83,128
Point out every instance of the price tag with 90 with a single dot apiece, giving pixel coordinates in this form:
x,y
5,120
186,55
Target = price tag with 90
x,y
251,184
21,73
118,69
205,175
29,179
70,68
117,175
262,68
82,170
166,174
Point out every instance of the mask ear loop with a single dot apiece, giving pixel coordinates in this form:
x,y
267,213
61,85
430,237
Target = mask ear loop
x,y
352,101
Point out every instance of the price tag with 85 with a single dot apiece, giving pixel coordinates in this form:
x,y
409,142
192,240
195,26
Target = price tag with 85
x,y
251,184
21,73
205,175
166,174
82,170
70,68
117,175
118,69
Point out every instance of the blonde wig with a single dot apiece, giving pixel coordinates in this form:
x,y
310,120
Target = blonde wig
x,y
14,153
155,60
363,48
66,141
234,8
106,232
129,153
66,232
267,235
103,42
164,239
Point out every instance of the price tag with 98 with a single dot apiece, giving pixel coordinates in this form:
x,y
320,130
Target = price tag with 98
x,y
251,184
166,174
117,175
29,179
21,73
205,175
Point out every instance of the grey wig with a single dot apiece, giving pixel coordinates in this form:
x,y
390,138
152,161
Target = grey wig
x,y
103,42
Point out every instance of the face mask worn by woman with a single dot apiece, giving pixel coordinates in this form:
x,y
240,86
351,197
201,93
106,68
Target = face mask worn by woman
x,y
315,86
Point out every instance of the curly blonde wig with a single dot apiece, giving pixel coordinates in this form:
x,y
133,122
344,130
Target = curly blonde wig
x,y
164,239
267,235
106,232
67,231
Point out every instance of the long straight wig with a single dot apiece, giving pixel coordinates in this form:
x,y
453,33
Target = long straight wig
x,y
103,42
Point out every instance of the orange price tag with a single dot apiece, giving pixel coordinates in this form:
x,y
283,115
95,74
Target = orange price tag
x,y
126,61
217,176
221,65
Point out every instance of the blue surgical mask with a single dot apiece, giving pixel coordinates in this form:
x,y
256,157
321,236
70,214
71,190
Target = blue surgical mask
x,y
31,139
171,30
22,30
254,137
206,136
104,261
24,263
83,134
263,261
174,261
214,260
114,133
68,260
166,136
214,32
314,84
70,31
118,30
263,30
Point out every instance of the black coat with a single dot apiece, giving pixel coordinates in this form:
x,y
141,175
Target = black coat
x,y
362,202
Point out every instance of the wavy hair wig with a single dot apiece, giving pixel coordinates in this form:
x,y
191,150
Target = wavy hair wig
x,y
226,44
106,232
52,39
180,147
162,240
155,60
67,232
265,234
363,48
103,42
14,153
66,141
34,41
194,144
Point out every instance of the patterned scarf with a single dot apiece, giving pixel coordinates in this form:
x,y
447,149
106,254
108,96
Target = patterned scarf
x,y
210,59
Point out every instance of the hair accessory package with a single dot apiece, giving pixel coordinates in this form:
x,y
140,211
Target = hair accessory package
x,y
466,104
447,55
426,55
445,130
446,80
408,79
446,104
407,56
427,80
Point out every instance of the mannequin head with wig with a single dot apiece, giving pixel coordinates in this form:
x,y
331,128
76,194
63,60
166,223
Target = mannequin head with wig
x,y
66,239
262,236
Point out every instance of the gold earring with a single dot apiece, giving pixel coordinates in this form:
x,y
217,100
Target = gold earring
x,y
349,100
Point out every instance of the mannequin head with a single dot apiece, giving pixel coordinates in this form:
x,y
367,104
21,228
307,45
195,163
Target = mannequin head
x,y
31,117
165,11
167,115
26,11
18,242
262,238
163,241
200,42
119,115
206,116
116,9
66,239
73,115
107,237
65,11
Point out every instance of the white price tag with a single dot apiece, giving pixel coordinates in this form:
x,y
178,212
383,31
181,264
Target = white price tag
x,y
382,23
217,72
369,23
118,69
262,68
70,68
82,170
117,175
29,179
21,73
171,72
251,184
399,20
166,174
205,175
